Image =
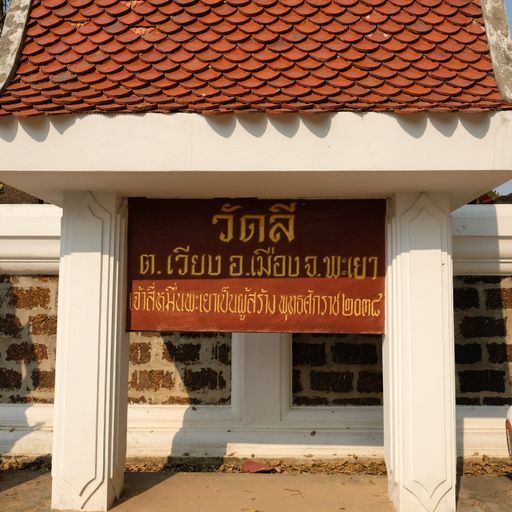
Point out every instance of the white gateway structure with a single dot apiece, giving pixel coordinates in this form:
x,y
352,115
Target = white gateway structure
x,y
102,100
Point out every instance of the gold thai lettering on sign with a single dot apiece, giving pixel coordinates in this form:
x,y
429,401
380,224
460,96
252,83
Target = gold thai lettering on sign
x,y
181,262
262,262
278,222
147,264
250,302
354,267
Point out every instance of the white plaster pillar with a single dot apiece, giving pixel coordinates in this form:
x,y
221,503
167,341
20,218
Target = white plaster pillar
x,y
89,444
418,354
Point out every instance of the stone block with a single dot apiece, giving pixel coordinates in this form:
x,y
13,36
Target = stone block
x,y
369,382
482,327
10,325
29,298
468,353
355,353
465,298
203,379
10,379
151,380
26,352
497,352
308,354
140,353
43,379
181,352
475,381
45,325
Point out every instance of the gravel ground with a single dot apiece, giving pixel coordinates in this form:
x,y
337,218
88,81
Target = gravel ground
x,y
356,485
352,466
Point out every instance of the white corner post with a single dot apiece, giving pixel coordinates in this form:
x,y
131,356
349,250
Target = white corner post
x,y
89,444
418,355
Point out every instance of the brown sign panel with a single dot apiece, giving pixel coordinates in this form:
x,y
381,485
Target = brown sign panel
x,y
251,265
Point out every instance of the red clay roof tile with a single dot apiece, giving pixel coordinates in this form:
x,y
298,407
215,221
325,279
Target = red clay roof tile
x,y
252,55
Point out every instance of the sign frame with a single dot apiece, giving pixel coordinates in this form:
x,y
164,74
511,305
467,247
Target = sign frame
x,y
256,265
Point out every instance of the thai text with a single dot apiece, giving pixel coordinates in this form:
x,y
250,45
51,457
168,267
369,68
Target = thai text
x,y
250,302
263,262
278,223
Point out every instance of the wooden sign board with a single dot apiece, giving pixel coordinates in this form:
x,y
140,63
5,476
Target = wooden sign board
x,y
249,265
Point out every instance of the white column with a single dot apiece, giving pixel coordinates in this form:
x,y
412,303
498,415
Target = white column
x,y
89,443
419,375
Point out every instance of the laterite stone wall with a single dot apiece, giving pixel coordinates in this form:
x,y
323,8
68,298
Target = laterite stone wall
x,y
347,369
337,369
180,368
483,340
28,328
173,368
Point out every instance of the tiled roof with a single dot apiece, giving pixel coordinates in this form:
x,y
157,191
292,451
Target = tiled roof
x,y
252,55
